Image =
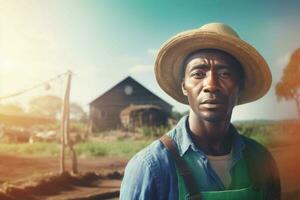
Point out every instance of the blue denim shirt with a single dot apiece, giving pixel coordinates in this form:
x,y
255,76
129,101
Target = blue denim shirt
x,y
151,173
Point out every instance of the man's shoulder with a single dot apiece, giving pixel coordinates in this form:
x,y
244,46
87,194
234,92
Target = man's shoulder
x,y
152,151
150,172
154,155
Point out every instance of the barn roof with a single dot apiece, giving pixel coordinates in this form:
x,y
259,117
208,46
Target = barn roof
x,y
125,80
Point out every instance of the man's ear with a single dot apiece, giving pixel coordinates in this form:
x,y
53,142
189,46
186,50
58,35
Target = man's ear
x,y
183,88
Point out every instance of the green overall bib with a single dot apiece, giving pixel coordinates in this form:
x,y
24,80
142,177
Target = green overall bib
x,y
239,177
187,165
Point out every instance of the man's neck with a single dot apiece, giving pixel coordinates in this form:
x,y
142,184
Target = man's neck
x,y
213,138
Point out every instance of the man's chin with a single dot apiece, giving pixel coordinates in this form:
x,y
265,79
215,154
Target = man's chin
x,y
213,117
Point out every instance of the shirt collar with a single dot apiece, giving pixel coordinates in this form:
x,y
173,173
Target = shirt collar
x,y
184,141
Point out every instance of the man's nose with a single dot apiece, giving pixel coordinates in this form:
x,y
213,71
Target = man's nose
x,y
211,83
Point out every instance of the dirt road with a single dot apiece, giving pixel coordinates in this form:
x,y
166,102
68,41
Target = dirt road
x,y
14,167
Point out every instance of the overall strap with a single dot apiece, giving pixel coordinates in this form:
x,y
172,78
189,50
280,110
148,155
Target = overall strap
x,y
183,168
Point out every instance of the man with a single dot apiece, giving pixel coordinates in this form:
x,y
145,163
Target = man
x,y
204,157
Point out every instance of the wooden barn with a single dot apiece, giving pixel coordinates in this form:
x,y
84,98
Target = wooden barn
x,y
127,105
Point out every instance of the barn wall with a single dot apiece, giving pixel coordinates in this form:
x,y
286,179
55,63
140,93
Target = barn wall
x,y
105,117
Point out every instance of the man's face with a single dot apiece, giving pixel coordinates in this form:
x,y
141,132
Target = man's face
x,y
211,84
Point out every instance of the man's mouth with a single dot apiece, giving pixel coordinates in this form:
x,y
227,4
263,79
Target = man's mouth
x,y
212,103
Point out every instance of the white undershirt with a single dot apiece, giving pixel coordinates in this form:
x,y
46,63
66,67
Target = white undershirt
x,y
221,165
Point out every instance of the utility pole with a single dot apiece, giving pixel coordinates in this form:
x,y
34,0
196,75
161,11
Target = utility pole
x,y
65,123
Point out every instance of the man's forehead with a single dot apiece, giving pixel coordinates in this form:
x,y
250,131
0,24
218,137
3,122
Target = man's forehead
x,y
201,57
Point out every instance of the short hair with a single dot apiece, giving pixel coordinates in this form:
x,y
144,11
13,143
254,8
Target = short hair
x,y
240,69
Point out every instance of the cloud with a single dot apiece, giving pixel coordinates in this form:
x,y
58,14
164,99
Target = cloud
x,y
278,65
128,59
137,69
152,52
283,60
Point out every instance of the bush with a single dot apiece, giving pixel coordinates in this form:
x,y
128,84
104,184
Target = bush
x,y
78,127
153,131
90,149
269,133
38,149
122,148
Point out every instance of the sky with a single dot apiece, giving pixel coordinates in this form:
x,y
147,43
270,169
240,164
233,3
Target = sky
x,y
104,41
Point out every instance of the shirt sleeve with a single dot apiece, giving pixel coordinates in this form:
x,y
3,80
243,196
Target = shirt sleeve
x,y
138,182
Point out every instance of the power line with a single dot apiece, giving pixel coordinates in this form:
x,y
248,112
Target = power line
x,y
33,87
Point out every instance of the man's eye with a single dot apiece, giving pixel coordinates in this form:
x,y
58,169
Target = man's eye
x,y
198,74
224,74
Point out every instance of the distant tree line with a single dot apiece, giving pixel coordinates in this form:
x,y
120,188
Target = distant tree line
x,y
48,106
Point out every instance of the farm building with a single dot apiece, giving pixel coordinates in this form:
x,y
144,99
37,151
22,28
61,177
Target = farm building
x,y
128,104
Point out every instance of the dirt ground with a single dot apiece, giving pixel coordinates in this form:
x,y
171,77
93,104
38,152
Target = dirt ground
x,y
15,168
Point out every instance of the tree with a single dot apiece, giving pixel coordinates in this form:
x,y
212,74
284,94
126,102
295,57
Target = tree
x,y
47,105
288,87
77,113
50,106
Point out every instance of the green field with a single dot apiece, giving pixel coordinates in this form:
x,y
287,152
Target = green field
x,y
268,133
122,148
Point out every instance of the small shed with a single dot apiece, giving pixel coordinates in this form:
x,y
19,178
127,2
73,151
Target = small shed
x,y
128,104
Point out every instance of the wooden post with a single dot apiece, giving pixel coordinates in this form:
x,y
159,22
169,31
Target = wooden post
x,y
74,160
63,127
67,109
65,123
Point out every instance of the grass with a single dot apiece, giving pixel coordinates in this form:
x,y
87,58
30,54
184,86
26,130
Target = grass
x,y
37,149
270,135
121,148
153,131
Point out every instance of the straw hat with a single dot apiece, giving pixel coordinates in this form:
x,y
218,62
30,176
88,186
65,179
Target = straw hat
x,y
169,61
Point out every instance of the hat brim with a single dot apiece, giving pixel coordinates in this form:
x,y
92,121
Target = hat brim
x,y
169,62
